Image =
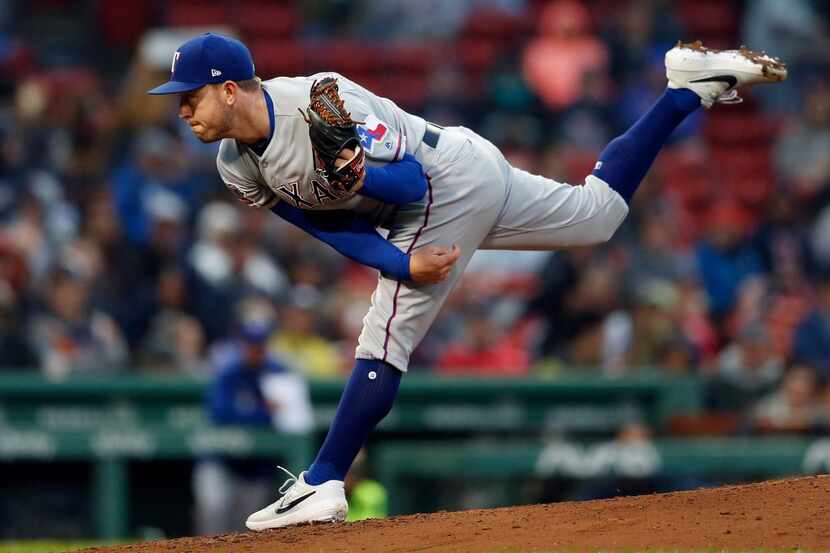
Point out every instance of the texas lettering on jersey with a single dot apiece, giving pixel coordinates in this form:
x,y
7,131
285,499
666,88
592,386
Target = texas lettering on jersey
x,y
316,193
253,196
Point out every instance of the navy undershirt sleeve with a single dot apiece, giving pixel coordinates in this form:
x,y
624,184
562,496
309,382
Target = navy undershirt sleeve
x,y
400,182
352,236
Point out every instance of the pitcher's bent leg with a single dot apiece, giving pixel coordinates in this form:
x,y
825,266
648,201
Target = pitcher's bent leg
x,y
543,214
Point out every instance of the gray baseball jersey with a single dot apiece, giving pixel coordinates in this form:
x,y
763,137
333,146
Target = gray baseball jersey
x,y
475,199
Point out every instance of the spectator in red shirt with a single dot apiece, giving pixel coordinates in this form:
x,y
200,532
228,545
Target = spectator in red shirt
x,y
484,349
558,61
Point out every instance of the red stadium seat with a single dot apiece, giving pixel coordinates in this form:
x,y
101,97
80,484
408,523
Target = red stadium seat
x,y
371,81
343,56
278,57
693,192
743,173
579,163
477,55
412,57
740,161
740,128
751,190
122,23
192,14
266,20
408,91
709,20
685,177
498,25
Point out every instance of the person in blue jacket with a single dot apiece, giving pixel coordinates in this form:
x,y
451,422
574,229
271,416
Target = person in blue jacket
x,y
223,486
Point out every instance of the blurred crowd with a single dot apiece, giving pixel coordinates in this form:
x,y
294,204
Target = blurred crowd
x,y
120,250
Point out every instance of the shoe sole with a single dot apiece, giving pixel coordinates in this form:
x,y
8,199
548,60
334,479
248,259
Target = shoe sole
x,y
771,69
327,513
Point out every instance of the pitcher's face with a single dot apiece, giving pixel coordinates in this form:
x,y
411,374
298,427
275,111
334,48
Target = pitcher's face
x,y
207,112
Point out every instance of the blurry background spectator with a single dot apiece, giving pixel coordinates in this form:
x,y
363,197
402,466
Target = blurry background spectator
x,y
795,31
565,55
70,335
801,150
298,338
812,336
746,370
238,395
483,347
793,407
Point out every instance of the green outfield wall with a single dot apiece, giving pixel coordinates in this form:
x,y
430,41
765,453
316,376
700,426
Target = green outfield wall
x,y
439,429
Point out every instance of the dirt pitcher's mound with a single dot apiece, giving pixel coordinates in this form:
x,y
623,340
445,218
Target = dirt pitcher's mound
x,y
787,514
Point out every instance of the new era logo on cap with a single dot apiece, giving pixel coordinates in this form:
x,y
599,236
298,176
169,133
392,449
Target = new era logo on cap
x,y
207,59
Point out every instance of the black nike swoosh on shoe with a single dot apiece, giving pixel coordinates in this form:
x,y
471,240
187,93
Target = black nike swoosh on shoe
x,y
294,503
731,80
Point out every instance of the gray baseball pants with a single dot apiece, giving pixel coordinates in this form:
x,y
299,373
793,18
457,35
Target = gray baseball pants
x,y
477,200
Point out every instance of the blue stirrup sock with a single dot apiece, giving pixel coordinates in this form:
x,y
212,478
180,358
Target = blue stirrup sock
x,y
627,158
367,398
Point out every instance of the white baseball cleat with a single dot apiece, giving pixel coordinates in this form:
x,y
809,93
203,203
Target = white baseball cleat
x,y
715,75
302,503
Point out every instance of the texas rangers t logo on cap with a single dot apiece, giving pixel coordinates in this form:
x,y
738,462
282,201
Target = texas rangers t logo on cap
x,y
207,59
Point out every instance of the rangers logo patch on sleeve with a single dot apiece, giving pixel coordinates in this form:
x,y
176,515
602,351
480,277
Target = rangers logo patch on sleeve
x,y
379,139
369,134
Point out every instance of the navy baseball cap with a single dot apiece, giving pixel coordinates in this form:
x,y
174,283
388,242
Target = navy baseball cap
x,y
256,332
207,59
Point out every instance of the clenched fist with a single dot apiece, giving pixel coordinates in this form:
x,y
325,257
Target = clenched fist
x,y
432,264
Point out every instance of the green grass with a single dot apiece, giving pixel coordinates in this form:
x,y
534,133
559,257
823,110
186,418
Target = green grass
x,y
48,546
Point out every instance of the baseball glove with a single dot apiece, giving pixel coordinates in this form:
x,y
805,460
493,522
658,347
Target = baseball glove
x,y
332,130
